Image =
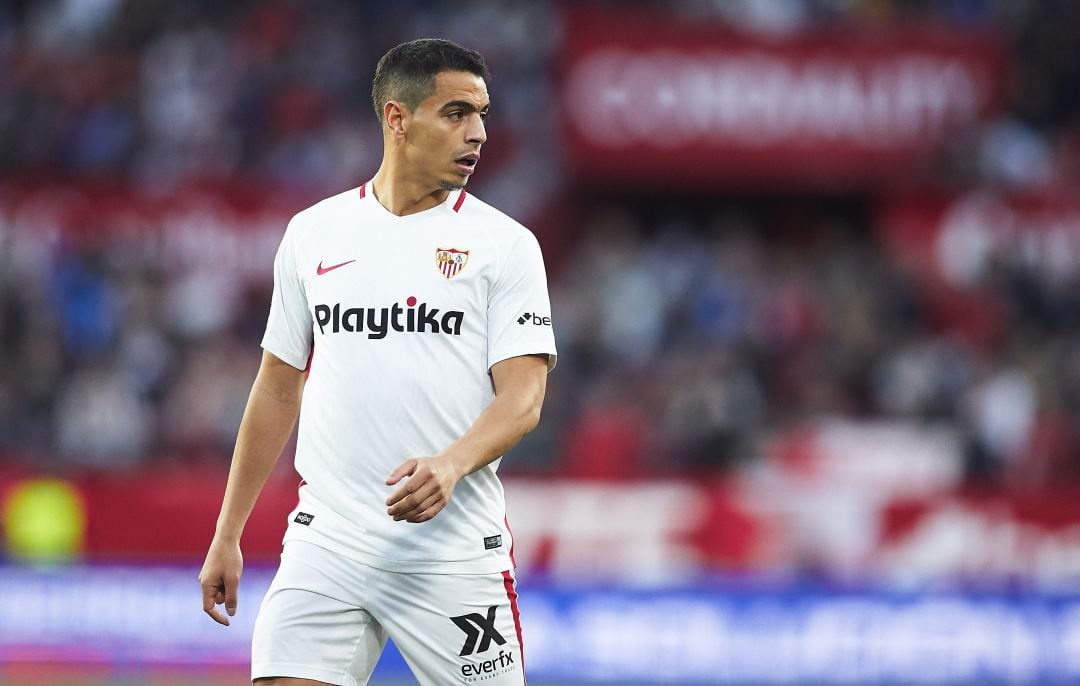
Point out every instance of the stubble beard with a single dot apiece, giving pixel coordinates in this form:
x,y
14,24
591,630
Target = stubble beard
x,y
447,186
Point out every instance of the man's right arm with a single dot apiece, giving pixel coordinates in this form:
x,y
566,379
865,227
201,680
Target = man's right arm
x,y
272,409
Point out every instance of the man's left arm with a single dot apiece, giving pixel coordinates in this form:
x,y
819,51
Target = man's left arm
x,y
520,383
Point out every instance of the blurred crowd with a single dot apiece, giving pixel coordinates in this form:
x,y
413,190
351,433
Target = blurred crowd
x,y
279,91
689,339
701,345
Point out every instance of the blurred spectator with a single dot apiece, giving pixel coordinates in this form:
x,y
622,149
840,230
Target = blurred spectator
x,y
205,405
100,419
716,408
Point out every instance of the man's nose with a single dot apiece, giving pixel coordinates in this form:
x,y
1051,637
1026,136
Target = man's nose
x,y
476,133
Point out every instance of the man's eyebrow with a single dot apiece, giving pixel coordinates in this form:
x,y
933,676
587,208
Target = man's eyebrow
x,y
465,105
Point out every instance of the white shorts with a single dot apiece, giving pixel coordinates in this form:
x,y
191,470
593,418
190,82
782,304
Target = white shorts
x,y
326,617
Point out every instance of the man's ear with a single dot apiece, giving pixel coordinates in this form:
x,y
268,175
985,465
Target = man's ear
x,y
395,115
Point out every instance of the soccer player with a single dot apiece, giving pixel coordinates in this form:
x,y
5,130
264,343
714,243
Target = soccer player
x,y
423,317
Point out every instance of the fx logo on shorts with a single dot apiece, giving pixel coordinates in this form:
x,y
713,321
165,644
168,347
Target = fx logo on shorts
x,y
477,627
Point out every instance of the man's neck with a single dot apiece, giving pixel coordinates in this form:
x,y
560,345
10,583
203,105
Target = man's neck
x,y
402,196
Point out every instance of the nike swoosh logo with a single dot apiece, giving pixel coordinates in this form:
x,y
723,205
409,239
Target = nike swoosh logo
x,y
322,270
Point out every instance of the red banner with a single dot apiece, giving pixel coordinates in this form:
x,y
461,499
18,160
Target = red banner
x,y
650,100
231,228
1028,538
822,517
957,239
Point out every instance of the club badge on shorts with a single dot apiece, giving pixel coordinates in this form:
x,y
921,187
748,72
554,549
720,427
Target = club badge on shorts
x,y
450,261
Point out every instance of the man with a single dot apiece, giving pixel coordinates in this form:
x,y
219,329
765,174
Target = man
x,y
422,316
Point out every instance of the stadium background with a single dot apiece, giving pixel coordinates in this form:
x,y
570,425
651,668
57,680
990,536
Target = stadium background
x,y
815,268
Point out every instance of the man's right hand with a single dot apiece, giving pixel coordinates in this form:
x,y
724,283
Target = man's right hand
x,y
219,579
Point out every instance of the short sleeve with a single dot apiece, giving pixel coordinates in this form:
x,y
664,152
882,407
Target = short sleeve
x,y
289,326
519,309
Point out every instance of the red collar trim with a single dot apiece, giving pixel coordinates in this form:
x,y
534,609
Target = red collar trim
x,y
457,204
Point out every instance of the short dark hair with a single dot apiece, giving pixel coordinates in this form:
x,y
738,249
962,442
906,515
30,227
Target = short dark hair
x,y
407,72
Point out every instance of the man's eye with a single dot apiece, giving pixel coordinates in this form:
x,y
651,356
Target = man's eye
x,y
484,114
455,115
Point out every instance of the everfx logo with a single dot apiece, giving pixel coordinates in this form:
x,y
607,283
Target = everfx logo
x,y
477,627
536,319
504,661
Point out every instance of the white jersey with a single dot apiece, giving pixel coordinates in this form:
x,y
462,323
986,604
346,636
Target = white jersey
x,y
401,319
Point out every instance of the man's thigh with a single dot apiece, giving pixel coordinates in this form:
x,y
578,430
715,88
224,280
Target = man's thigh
x,y
452,629
311,624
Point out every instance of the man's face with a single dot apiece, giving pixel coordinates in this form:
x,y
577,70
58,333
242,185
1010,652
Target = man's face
x,y
447,129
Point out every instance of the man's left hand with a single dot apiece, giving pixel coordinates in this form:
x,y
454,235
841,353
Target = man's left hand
x,y
429,482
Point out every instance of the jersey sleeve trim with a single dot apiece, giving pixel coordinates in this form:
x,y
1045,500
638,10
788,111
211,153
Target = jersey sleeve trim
x,y
280,349
524,349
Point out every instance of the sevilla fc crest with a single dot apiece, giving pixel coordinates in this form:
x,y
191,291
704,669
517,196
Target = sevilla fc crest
x,y
450,261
